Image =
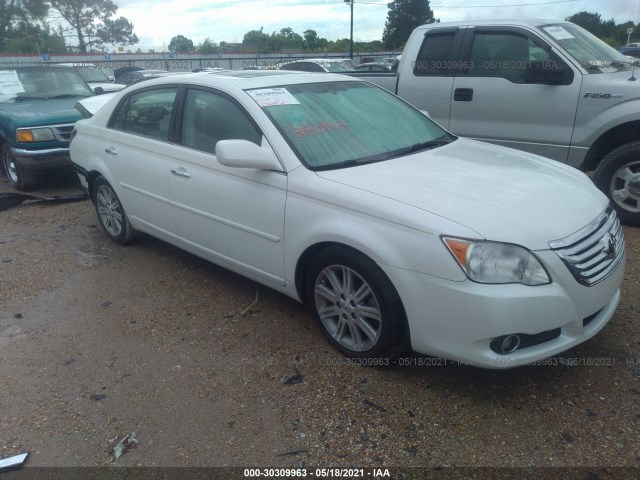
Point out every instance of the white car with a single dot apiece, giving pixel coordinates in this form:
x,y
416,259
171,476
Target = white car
x,y
337,193
318,65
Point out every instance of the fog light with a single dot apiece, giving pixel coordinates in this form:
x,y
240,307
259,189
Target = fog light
x,y
509,344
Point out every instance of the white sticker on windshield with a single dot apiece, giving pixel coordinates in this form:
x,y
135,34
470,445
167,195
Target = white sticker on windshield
x,y
10,83
558,33
269,97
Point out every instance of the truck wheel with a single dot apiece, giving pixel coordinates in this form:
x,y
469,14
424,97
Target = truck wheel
x,y
356,305
618,176
17,177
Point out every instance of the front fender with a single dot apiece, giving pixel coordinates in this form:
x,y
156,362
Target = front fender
x,y
587,133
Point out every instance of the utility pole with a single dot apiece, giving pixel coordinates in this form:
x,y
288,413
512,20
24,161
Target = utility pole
x,y
350,2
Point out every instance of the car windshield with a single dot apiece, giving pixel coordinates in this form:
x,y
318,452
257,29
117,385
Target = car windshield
x,y
340,124
46,82
92,75
592,53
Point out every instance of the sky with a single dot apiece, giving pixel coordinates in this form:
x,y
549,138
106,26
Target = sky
x,y
157,21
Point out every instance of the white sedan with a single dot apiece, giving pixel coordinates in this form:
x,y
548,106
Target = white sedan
x,y
337,193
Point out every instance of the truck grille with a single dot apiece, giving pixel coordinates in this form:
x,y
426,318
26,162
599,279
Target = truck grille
x,y
592,253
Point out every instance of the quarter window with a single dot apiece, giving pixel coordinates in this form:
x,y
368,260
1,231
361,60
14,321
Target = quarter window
x,y
147,113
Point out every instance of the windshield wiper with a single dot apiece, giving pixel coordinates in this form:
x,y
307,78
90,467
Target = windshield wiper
x,y
418,147
345,164
387,156
68,95
30,97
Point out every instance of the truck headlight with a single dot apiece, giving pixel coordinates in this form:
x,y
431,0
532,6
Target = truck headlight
x,y
495,262
31,135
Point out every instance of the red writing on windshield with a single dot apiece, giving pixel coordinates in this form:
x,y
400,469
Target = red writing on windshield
x,y
318,128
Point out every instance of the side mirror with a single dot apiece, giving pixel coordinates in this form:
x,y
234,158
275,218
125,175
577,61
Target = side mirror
x,y
548,72
245,154
98,90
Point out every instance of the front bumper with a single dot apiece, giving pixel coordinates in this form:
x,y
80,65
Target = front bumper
x,y
42,160
459,320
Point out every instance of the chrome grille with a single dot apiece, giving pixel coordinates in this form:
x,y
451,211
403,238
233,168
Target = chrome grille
x,y
592,253
62,132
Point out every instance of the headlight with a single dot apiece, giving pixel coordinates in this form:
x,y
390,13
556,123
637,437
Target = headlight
x,y
30,135
494,262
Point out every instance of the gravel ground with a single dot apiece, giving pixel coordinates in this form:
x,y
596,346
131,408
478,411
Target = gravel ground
x,y
98,341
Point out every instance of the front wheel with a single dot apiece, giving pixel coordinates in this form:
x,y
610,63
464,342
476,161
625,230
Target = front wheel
x,y
18,178
111,214
356,305
618,176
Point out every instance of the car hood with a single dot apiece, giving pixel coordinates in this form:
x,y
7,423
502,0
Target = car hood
x,y
502,194
34,112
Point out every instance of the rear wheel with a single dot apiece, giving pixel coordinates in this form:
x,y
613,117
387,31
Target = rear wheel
x,y
356,305
111,214
18,178
618,176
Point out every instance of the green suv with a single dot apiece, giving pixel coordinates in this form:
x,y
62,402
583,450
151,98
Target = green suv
x,y
37,116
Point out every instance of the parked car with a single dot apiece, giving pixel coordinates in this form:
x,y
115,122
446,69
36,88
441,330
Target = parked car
x,y
109,72
337,193
36,118
630,51
373,67
132,77
97,79
333,65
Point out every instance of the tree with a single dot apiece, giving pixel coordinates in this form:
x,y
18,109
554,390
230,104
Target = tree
x,y
287,39
310,39
592,22
33,38
207,47
180,43
256,40
92,22
18,15
403,17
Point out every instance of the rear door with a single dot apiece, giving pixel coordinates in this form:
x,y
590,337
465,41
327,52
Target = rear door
x,y
138,154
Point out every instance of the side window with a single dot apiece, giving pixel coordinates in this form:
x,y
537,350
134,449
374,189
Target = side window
x,y
146,113
209,117
506,55
435,55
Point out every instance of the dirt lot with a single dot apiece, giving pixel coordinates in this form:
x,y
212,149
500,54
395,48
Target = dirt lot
x,y
98,341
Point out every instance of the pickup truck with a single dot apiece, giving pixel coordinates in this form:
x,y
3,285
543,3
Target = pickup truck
x,y
37,116
542,86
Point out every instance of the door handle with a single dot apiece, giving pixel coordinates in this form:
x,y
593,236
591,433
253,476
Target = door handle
x,y
463,94
111,151
180,172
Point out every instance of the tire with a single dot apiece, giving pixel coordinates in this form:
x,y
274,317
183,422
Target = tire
x,y
618,176
18,178
111,213
355,304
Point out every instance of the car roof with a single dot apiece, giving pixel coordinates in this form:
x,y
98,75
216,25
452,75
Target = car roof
x,y
249,79
322,60
530,22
